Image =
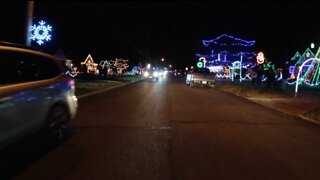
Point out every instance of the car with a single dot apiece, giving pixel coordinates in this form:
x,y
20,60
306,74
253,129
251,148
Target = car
x,y
151,74
35,94
201,76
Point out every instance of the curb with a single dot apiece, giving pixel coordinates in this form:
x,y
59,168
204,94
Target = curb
x,y
106,89
309,119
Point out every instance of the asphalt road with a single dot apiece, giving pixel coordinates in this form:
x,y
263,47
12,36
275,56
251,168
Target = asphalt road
x,y
166,130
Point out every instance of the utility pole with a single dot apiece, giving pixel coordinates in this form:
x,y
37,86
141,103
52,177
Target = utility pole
x,y
29,22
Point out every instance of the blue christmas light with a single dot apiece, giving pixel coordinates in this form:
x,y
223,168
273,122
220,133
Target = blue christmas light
x,y
40,33
240,43
247,55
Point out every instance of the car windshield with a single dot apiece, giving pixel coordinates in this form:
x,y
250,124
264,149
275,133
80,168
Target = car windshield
x,y
202,70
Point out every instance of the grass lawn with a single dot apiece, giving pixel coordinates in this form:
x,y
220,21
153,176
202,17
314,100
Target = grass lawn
x,y
84,87
95,83
245,89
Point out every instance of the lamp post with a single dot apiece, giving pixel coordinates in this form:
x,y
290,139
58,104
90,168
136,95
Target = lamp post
x,y
29,22
241,66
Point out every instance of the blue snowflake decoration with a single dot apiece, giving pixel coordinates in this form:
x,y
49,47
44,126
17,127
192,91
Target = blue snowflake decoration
x,y
40,33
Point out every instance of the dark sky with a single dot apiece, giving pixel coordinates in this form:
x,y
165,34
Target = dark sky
x,y
151,30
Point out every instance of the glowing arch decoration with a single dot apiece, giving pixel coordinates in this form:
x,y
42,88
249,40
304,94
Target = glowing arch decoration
x,y
41,32
315,61
260,58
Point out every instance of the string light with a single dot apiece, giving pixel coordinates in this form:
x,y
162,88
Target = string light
x,y
240,43
304,57
41,32
296,56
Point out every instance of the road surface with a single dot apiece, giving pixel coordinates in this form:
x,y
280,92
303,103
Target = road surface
x,y
167,130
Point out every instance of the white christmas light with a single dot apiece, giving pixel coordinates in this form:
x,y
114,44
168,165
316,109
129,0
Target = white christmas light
x,y
40,33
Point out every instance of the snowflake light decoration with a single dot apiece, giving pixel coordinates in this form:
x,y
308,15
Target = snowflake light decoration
x,y
40,33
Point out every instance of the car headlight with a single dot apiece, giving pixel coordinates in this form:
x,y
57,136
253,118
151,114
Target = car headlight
x,y
155,74
146,74
188,77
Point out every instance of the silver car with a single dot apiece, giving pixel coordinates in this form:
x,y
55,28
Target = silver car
x,y
202,77
34,95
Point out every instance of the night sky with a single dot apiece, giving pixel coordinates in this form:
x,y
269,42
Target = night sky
x,y
148,31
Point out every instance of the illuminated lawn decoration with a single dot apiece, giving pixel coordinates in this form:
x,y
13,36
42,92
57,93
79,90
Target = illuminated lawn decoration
x,y
121,65
260,58
296,56
200,64
106,67
305,56
92,68
309,71
74,72
312,75
136,70
41,32
316,75
237,70
203,60
291,65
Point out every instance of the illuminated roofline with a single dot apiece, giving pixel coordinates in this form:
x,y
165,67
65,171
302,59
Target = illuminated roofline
x,y
241,43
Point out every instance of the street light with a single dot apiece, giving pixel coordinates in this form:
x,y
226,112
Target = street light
x,y
312,45
162,59
170,66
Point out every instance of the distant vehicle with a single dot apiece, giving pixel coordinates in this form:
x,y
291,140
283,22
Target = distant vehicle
x,y
34,95
151,74
201,76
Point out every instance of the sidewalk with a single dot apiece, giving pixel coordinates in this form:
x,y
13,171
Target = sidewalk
x,y
306,106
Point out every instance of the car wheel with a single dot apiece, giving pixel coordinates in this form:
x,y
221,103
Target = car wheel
x,y
58,123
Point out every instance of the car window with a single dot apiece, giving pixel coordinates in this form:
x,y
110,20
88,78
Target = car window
x,y
202,70
23,67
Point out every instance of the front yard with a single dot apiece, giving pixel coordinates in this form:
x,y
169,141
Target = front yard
x,y
84,86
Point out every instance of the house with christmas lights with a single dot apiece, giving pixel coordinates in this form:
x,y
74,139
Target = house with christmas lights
x,y
226,52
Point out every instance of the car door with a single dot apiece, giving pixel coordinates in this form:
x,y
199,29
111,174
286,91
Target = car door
x,y
21,100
